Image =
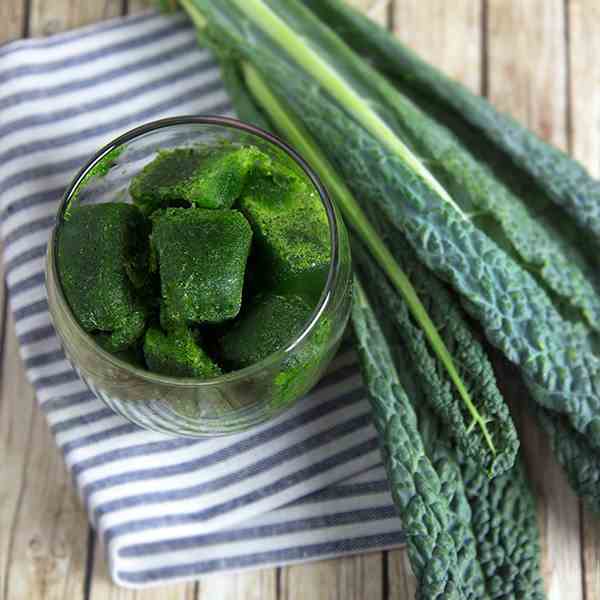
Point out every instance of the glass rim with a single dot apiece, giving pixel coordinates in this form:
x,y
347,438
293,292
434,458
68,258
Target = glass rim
x,y
234,124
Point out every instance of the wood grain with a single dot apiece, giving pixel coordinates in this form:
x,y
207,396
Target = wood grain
x,y
350,578
47,18
102,588
402,584
528,78
43,531
12,24
48,541
584,82
251,585
447,34
137,6
527,66
584,97
16,416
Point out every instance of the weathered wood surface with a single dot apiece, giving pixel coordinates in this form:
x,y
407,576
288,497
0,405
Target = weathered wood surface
x,y
536,59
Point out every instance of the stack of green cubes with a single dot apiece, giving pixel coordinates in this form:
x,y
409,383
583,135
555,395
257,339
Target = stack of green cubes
x,y
218,263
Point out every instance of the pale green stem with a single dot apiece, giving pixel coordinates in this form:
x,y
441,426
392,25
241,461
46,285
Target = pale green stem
x,y
299,49
357,219
195,15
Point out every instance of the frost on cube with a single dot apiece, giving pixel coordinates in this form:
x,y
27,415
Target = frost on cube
x,y
177,354
102,253
291,234
190,176
201,257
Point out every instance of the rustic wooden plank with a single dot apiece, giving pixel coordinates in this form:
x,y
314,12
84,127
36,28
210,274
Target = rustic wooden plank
x,y
402,584
584,92
449,36
12,14
527,77
253,585
137,6
15,433
47,534
47,18
43,531
350,578
584,96
102,587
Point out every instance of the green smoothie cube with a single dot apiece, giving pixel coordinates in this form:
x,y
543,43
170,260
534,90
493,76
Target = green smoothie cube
x,y
190,176
201,257
102,249
269,325
223,176
177,354
159,184
291,234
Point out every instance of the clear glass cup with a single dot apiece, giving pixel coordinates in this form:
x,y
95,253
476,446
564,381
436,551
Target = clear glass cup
x,y
234,401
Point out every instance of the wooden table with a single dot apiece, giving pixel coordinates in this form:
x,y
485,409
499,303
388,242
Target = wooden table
x,y
539,60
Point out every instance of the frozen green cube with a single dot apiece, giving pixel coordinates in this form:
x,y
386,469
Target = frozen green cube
x,y
209,178
160,182
291,233
201,256
223,176
269,325
177,354
102,254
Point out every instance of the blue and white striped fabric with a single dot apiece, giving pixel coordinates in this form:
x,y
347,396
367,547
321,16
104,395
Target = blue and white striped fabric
x,y
307,485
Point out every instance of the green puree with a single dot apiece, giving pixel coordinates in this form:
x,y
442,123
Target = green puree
x,y
187,176
265,328
100,253
201,258
177,354
292,234
219,263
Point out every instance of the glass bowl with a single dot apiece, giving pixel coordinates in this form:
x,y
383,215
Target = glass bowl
x,y
234,401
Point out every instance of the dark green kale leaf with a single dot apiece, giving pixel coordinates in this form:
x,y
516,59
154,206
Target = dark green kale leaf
x,y
565,181
475,368
349,110
492,522
415,484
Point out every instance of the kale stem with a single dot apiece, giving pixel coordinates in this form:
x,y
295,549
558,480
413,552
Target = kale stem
x,y
357,219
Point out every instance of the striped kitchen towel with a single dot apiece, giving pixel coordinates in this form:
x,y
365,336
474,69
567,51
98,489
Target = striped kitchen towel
x,y
306,485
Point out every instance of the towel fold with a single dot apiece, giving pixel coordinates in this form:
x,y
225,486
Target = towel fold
x,y
304,486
